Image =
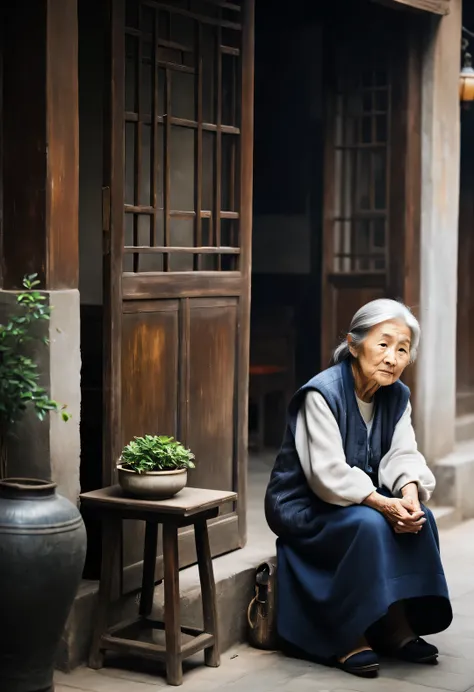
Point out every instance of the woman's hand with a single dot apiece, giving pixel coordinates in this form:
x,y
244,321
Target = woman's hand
x,y
402,514
410,492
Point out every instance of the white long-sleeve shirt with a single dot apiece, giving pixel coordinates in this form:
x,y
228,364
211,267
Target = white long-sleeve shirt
x,y
319,446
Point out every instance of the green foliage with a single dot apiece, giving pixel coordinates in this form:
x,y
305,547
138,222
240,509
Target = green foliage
x,y
19,376
156,453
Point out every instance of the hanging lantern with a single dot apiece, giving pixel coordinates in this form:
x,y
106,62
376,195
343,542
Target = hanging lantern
x,y
466,80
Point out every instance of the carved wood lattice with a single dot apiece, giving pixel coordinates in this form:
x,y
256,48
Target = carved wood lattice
x,y
182,136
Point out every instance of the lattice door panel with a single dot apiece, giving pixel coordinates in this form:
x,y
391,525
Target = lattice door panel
x,y
361,162
182,136
358,166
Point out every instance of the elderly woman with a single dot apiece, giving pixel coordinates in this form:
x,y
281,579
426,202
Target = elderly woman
x,y
358,555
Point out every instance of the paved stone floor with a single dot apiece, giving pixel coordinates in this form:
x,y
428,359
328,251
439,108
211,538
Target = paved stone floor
x,y
246,670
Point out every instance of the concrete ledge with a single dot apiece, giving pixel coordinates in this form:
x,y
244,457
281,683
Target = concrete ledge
x,y
465,428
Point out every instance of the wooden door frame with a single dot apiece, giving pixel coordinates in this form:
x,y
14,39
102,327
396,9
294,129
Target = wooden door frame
x,y
246,216
403,270
113,234
405,214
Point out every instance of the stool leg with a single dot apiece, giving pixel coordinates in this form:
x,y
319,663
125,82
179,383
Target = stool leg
x,y
174,664
208,591
111,537
149,563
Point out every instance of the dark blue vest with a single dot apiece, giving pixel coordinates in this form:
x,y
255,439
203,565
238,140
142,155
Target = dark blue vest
x,y
288,491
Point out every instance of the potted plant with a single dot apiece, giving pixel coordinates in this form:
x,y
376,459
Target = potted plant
x,y
42,535
154,467
19,375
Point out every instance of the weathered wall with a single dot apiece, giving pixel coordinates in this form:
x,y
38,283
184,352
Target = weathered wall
x,y
50,449
436,400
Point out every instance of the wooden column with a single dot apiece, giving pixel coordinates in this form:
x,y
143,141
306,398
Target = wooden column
x,y
41,136
436,368
406,174
40,219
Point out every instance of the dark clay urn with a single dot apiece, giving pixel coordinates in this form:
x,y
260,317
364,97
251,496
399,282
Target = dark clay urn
x,y
42,553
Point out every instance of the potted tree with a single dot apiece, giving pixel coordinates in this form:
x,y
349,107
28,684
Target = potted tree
x,y
42,535
19,375
154,467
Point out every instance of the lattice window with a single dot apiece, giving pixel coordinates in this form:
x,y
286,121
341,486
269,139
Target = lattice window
x,y
182,135
362,161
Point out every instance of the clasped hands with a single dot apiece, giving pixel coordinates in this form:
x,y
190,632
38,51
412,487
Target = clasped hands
x,y
404,514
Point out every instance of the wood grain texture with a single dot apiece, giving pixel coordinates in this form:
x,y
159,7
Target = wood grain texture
x,y
41,136
62,95
188,502
176,342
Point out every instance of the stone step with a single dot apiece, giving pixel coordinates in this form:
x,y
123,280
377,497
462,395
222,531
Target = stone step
x,y
446,517
454,480
465,428
465,402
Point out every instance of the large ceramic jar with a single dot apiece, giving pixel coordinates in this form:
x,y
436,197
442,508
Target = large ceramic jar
x,y
42,553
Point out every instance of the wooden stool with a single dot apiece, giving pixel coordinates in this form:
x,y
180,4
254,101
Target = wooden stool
x,y
191,507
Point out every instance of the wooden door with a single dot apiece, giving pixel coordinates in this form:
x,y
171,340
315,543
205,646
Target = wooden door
x,y
372,167
177,222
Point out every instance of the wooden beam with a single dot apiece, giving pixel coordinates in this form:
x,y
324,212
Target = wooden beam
x,y
406,182
41,135
433,6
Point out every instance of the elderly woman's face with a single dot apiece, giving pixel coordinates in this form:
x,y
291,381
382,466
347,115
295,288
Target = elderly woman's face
x,y
385,353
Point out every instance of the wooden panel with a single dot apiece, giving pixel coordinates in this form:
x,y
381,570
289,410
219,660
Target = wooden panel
x,y
434,6
41,155
24,147
186,285
62,212
150,370
212,391
149,391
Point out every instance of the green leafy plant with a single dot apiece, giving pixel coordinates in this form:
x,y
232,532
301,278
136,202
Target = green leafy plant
x,y
19,376
156,453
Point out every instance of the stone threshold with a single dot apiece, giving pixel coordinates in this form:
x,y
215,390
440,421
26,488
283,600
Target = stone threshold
x,y
454,479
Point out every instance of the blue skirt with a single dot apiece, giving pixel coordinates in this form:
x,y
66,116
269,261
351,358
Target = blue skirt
x,y
339,577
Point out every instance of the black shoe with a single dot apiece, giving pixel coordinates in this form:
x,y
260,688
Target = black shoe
x,y
418,651
364,664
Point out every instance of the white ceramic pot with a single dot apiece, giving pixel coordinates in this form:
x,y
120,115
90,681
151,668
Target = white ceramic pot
x,y
154,485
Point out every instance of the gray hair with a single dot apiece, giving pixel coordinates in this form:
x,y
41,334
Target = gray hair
x,y
373,313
